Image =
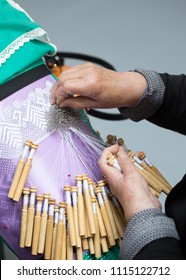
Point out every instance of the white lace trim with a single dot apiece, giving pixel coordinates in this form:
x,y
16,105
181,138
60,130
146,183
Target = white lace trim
x,y
38,34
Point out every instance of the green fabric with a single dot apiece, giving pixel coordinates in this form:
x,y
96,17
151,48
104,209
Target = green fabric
x,y
15,25
112,254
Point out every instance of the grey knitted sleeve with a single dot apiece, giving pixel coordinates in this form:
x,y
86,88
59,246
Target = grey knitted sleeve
x,y
143,228
150,101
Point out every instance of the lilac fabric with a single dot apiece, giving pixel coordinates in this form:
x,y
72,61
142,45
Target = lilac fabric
x,y
67,146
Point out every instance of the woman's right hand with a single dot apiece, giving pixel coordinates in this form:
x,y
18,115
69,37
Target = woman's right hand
x,y
97,87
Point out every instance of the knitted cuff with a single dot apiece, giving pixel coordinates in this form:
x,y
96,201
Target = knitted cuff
x,y
150,101
143,228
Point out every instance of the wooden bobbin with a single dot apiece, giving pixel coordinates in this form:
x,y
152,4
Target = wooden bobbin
x,y
121,142
81,209
19,169
37,224
64,238
44,216
24,174
49,230
59,233
112,161
75,212
119,224
119,210
101,184
30,218
88,204
70,217
96,237
105,217
69,247
102,228
24,214
155,185
56,219
163,184
104,244
143,157
110,139
149,178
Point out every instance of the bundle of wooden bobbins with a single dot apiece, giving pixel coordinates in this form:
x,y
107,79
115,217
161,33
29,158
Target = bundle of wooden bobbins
x,y
90,219
153,176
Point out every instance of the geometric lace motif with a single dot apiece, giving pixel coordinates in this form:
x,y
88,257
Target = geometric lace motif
x,y
32,118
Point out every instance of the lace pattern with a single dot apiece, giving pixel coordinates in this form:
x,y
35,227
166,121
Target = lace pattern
x,y
37,33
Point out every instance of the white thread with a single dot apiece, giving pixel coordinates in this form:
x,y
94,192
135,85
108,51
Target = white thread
x,y
100,199
51,210
104,194
56,217
25,200
68,198
31,154
39,206
147,162
45,206
138,165
85,185
74,198
61,213
25,152
94,207
91,190
116,165
32,198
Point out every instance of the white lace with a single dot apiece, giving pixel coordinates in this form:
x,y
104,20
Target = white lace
x,y
37,33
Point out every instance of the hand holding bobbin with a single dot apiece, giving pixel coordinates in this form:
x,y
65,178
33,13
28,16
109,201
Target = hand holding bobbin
x,y
127,185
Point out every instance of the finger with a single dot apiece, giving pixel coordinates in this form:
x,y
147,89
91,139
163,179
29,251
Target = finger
x,y
79,102
59,84
108,151
73,87
53,92
124,161
103,160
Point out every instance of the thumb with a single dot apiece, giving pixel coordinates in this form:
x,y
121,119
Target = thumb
x,y
124,161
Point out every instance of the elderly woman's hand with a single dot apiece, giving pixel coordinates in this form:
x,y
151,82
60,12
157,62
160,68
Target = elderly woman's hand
x,y
128,186
97,87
